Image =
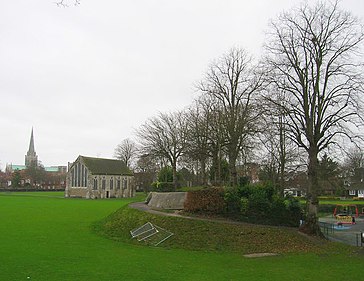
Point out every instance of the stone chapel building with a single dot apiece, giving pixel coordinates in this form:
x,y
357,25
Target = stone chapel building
x,y
93,178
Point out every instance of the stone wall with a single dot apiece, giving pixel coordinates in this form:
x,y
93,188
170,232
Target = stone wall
x,y
167,200
77,192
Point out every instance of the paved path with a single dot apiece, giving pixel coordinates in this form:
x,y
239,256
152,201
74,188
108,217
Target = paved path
x,y
144,207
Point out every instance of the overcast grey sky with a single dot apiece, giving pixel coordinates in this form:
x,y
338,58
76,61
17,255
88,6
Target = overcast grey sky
x,y
86,77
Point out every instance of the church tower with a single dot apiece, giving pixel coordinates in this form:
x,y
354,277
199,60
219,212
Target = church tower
x,y
31,159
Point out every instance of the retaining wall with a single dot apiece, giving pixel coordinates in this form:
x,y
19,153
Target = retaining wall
x,y
166,200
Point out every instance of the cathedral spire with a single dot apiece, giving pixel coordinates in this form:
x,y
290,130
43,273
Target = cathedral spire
x,y
31,150
31,159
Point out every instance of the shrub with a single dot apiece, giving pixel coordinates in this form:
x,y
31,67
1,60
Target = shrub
x,y
232,200
244,205
209,200
162,186
243,181
259,203
165,174
294,211
295,214
278,210
326,208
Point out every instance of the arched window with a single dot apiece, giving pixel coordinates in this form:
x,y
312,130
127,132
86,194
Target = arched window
x,y
79,174
125,183
103,183
118,185
112,183
95,184
72,177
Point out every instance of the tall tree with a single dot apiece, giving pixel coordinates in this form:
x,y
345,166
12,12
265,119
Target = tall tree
x,y
312,57
126,151
146,168
280,153
35,174
205,136
16,179
165,136
233,83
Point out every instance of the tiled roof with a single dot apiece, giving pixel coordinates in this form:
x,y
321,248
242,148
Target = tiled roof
x,y
101,166
355,186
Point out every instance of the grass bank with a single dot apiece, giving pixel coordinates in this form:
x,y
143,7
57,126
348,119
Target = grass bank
x,y
200,235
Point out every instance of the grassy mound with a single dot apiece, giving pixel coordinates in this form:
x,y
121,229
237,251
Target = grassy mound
x,y
210,236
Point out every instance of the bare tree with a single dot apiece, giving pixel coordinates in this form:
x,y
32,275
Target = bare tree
x,y
198,124
233,82
146,171
126,151
66,3
205,140
354,159
165,136
312,57
278,152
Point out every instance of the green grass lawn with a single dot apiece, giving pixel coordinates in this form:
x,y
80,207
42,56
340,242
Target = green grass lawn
x,y
343,202
47,237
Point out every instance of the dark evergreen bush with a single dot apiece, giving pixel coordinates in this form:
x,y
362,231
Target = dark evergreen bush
x,y
260,204
233,201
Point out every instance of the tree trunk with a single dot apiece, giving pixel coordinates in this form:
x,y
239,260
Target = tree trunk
x,y
281,179
216,166
203,172
232,169
282,156
311,225
174,173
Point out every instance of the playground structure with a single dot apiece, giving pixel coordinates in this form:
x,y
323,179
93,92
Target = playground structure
x,y
346,214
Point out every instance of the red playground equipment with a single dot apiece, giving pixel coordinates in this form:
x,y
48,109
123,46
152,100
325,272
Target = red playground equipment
x,y
346,214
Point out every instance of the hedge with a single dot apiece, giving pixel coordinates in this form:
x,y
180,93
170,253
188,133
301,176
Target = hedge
x,y
210,200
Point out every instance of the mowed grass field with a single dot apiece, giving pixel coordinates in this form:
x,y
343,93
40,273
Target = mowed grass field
x,y
46,237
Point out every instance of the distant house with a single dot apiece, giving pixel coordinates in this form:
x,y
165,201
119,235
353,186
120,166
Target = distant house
x,y
356,190
93,178
354,183
295,192
249,171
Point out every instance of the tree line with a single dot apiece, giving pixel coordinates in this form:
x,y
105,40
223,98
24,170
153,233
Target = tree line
x,y
300,101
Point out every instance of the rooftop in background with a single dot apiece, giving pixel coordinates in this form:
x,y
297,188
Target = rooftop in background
x,y
52,169
17,167
101,166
